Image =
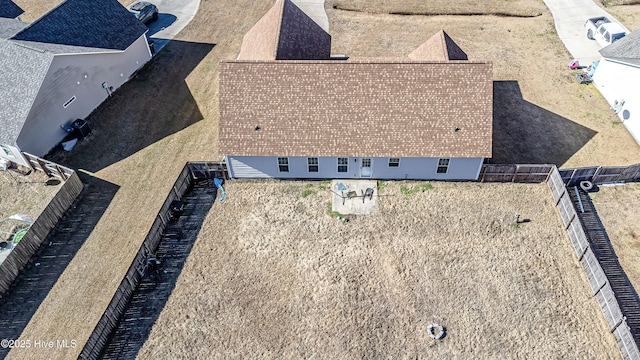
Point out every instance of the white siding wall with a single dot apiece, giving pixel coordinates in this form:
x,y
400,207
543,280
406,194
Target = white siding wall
x,y
617,81
410,168
66,79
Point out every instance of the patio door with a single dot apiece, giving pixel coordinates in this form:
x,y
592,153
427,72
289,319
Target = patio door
x,y
365,167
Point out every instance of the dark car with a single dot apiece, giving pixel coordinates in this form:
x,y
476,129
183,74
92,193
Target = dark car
x,y
144,11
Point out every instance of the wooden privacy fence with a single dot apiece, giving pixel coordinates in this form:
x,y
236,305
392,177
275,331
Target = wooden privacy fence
x,y
109,320
539,173
31,241
208,170
601,174
600,286
48,167
100,335
514,173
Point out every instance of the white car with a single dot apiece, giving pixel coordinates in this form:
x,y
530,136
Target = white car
x,y
603,30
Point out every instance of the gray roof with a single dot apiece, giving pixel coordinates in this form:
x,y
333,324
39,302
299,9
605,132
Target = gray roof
x,y
104,24
26,51
9,27
21,73
8,9
625,50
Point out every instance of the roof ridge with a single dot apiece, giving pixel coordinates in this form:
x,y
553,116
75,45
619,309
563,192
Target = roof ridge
x,y
443,42
39,19
278,26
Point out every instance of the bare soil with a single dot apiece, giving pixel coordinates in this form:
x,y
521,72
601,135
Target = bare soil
x,y
618,207
272,275
168,115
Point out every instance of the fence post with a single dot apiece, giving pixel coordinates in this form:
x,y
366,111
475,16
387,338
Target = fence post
x,y
61,172
28,157
43,166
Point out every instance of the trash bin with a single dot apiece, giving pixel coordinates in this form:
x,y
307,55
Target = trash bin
x,y
81,128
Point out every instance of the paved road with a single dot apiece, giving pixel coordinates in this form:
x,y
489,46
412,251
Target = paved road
x,y
173,16
569,17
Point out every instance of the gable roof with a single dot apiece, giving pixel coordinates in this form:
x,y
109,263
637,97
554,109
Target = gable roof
x,y
439,47
356,108
103,24
26,51
8,9
22,70
625,50
285,33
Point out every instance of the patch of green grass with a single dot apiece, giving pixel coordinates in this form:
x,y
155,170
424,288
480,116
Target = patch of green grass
x,y
308,185
415,189
382,185
307,192
425,187
288,189
333,214
324,184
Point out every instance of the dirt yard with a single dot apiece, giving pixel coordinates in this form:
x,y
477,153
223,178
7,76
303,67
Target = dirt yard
x,y
273,275
169,114
618,207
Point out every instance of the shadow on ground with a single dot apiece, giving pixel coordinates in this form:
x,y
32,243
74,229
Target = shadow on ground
x,y
153,105
164,21
601,246
153,291
33,284
524,133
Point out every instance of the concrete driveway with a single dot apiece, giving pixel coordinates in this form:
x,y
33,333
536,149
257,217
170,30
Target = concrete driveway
x,y
315,10
173,16
569,17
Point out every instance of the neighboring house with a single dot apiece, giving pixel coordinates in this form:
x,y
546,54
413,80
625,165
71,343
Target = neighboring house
x,y
60,68
428,116
617,76
9,10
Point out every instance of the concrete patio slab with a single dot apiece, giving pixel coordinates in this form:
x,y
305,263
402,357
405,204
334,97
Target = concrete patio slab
x,y
347,197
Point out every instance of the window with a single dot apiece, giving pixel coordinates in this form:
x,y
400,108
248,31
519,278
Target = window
x,y
394,162
366,162
283,164
343,165
313,164
443,166
73,98
7,151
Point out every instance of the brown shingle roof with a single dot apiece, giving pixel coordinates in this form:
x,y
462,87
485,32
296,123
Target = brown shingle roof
x,y
440,47
285,33
356,108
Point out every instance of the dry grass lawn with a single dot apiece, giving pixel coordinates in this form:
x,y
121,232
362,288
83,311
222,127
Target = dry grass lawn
x,y
618,210
169,114
271,275
26,195
517,8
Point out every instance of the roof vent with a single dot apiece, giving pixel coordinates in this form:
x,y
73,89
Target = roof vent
x,y
456,129
257,128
